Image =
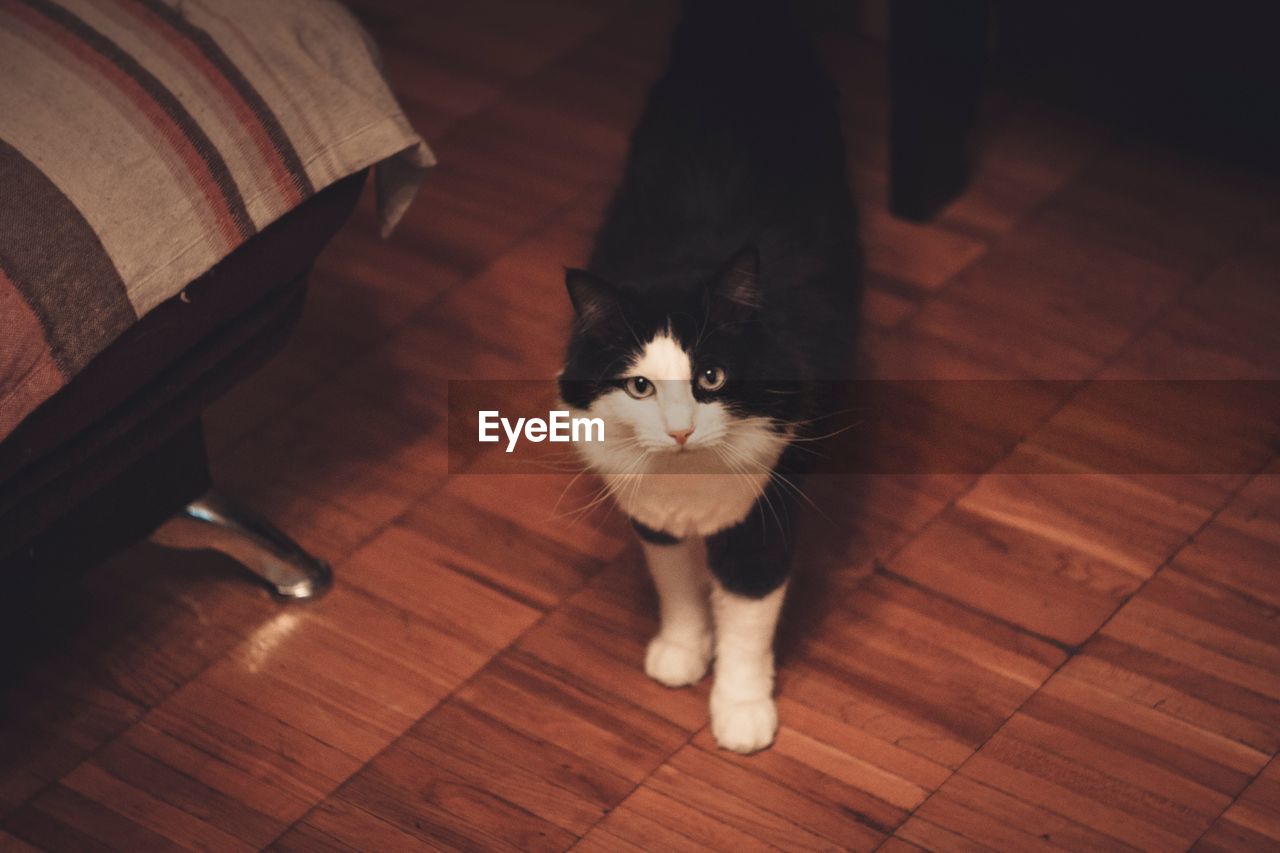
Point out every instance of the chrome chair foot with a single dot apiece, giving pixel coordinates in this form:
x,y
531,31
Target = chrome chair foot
x,y
216,523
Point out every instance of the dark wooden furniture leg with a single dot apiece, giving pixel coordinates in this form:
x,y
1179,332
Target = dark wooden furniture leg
x,y
936,63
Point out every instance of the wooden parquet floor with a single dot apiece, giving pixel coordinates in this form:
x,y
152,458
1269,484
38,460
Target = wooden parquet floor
x,y
1015,661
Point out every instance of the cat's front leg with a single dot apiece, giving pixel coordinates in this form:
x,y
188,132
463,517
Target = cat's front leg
x,y
681,651
743,715
750,564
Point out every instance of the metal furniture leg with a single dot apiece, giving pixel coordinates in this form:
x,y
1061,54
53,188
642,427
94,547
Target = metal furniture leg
x,y
214,522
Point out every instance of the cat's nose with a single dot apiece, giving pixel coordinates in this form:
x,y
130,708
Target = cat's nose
x,y
680,435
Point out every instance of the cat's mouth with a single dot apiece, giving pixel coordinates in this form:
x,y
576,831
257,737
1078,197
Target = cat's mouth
x,y
670,447
690,447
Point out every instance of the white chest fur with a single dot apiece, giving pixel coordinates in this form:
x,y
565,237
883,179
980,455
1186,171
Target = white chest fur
x,y
687,504
683,494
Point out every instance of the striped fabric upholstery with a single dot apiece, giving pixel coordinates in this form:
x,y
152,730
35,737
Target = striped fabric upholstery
x,y
141,141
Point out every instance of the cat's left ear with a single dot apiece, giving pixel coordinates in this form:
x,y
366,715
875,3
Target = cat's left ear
x,y
734,290
594,299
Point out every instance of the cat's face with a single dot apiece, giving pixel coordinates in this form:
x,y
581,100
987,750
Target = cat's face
x,y
669,400
687,373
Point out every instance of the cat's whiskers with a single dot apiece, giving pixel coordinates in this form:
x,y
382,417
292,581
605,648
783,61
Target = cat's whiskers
x,y
739,474
749,425
565,490
631,479
629,474
778,478
746,477
763,492
599,496
825,436
801,422
606,490
602,495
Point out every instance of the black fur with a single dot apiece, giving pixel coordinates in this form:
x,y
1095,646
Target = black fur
x,y
653,537
734,225
753,558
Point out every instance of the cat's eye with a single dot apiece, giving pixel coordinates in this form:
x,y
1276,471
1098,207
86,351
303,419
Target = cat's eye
x,y
638,387
711,379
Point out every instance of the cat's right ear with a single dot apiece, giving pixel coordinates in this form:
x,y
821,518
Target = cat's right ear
x,y
594,299
734,290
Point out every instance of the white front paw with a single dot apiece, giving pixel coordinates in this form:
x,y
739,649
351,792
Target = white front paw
x,y
743,726
677,663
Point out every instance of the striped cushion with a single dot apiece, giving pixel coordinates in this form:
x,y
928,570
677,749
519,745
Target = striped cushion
x,y
142,141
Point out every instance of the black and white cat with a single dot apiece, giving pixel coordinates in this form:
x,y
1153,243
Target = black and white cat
x,y
721,296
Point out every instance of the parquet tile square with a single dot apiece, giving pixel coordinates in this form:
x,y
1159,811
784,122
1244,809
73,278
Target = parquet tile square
x,y
1253,820
1146,736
